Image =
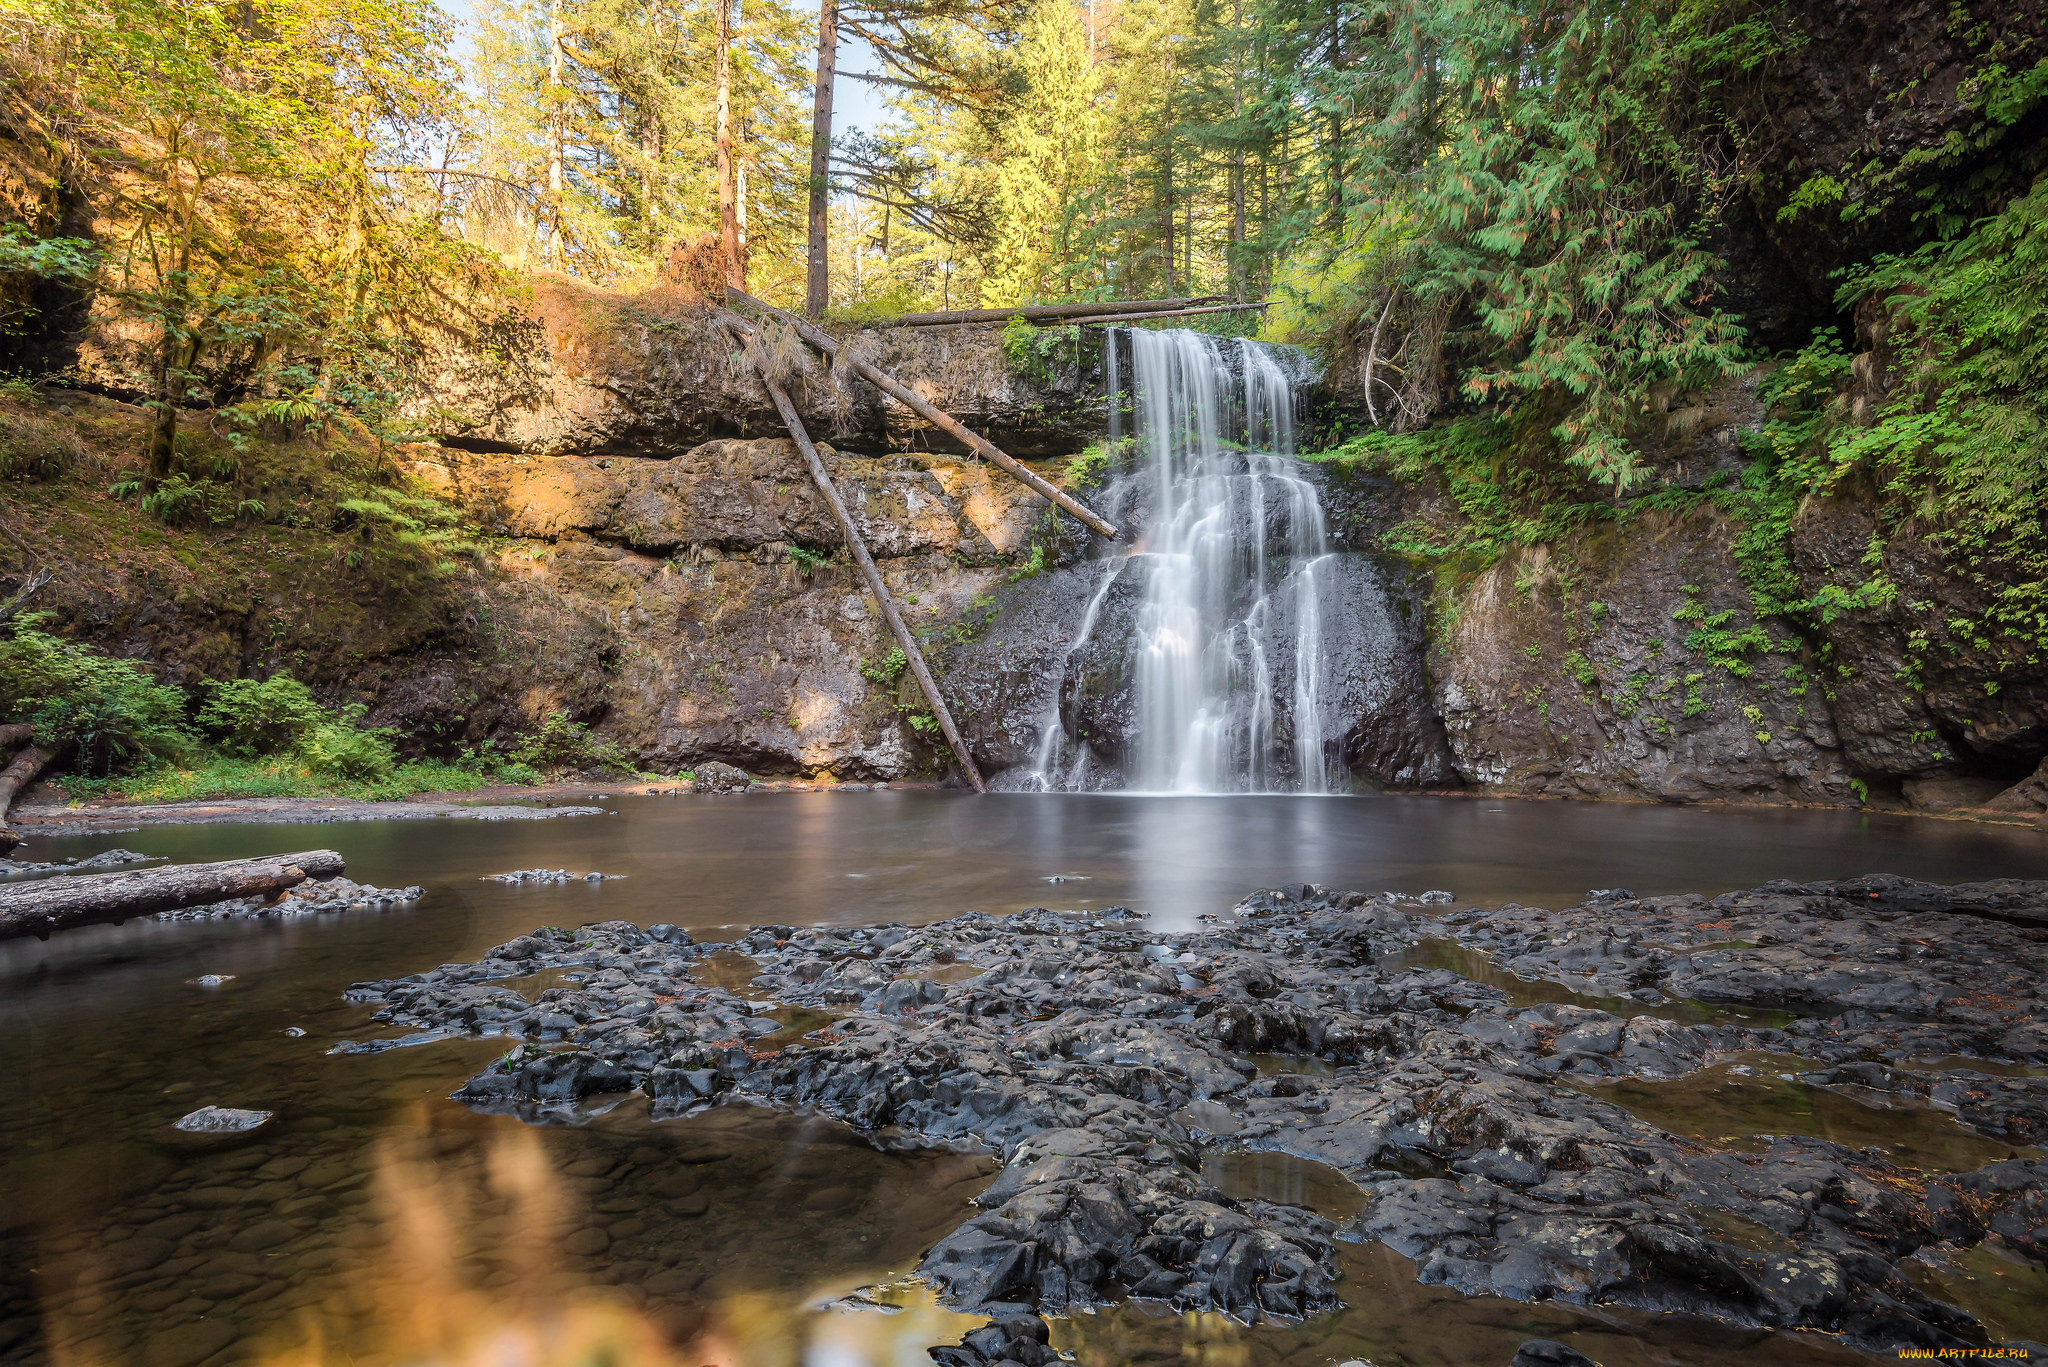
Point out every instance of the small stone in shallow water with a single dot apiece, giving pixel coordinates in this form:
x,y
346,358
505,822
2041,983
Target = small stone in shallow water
x,y
213,979
220,1120
307,899
550,876
294,1032
1436,897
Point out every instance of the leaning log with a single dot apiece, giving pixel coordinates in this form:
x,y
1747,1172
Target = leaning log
x,y
49,904
918,404
19,773
16,734
858,548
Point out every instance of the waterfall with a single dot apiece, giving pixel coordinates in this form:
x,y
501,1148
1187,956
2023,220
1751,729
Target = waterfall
x,y
1209,626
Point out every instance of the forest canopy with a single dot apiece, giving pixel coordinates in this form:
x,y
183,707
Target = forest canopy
x,y
298,207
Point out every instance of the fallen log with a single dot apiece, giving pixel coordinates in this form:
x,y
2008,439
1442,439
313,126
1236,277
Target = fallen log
x,y
19,773
858,548
16,734
1119,318
49,904
918,404
1033,313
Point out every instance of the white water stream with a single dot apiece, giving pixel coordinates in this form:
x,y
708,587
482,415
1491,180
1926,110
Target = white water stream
x,y
1224,656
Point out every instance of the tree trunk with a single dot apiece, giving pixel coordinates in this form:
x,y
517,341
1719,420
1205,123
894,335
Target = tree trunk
x,y
19,773
555,133
48,904
1237,168
728,184
174,362
817,269
873,575
1172,280
1336,128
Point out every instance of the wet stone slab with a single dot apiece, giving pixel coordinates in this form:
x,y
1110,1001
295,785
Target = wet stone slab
x,y
1114,1071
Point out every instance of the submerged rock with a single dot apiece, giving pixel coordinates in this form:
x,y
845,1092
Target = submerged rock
x,y
1100,1060
220,1120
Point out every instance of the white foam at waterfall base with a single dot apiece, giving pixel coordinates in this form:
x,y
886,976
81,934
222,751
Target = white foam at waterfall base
x,y
1227,562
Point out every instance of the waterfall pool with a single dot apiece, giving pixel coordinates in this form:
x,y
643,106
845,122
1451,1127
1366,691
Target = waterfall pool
x,y
377,1221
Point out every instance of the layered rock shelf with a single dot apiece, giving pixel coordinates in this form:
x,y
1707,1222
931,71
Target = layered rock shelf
x,y
1491,1138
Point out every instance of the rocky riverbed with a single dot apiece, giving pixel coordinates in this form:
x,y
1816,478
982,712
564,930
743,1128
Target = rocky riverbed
x,y
1510,1146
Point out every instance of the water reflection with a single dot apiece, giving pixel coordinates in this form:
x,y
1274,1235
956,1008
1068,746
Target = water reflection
x,y
459,1239
1742,1105
1390,1319
118,1247
911,855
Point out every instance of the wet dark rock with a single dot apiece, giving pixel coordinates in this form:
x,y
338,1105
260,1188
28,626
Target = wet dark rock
x,y
1016,1338
1549,1353
1005,679
713,777
93,863
1099,1060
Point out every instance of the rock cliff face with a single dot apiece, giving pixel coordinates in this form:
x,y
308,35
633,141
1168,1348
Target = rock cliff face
x,y
1565,672
725,633
1883,107
593,373
1923,711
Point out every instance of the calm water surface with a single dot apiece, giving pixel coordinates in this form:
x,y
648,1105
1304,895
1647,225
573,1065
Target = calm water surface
x,y
376,1221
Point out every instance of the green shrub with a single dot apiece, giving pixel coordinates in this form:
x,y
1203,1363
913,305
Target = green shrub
x,y
888,669
248,718
1095,464
342,750
112,710
562,744
1033,353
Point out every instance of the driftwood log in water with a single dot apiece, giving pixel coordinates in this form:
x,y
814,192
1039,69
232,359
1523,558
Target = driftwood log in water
x,y
918,404
90,899
858,549
19,773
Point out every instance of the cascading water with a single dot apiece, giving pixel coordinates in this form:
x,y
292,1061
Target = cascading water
x,y
1218,649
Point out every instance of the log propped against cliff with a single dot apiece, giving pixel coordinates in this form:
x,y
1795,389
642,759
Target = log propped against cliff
x,y
868,569
64,902
881,379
